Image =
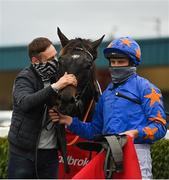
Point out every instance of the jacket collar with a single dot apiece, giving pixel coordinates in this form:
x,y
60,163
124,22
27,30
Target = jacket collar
x,y
112,86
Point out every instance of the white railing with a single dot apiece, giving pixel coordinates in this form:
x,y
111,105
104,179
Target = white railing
x,y
5,121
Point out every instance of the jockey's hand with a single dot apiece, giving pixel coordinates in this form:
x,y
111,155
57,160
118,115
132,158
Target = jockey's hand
x,y
58,117
53,115
132,133
65,80
64,119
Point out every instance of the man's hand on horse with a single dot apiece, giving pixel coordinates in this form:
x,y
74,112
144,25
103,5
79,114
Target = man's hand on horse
x,y
65,80
58,117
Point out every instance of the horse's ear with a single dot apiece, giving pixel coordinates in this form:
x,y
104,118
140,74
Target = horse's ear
x,y
96,43
63,39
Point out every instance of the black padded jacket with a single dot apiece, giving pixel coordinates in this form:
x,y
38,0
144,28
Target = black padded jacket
x,y
29,100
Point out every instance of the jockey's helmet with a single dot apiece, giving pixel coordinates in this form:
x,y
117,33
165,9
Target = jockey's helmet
x,y
124,47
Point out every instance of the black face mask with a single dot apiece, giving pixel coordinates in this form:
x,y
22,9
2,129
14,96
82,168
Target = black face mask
x,y
47,70
121,74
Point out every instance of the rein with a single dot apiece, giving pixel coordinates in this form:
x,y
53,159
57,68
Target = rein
x,y
84,120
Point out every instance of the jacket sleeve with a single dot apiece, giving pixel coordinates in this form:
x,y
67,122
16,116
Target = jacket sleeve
x,y
90,129
153,108
25,95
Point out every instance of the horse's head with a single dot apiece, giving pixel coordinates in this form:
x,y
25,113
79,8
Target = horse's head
x,y
77,57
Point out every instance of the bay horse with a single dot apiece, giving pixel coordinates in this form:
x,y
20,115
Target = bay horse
x,y
77,57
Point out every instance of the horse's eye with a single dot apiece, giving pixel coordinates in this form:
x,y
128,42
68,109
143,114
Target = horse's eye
x,y
88,64
72,100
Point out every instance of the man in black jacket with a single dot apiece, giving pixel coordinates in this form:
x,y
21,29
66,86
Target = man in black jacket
x,y
33,144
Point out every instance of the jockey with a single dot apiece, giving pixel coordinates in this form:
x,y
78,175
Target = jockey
x,y
130,105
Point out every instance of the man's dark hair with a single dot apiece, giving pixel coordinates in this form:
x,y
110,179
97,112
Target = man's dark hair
x,y
38,45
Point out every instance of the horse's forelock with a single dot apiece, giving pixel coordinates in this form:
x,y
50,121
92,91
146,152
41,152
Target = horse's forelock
x,y
85,44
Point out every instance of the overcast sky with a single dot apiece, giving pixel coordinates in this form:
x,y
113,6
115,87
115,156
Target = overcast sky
x,y
23,20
